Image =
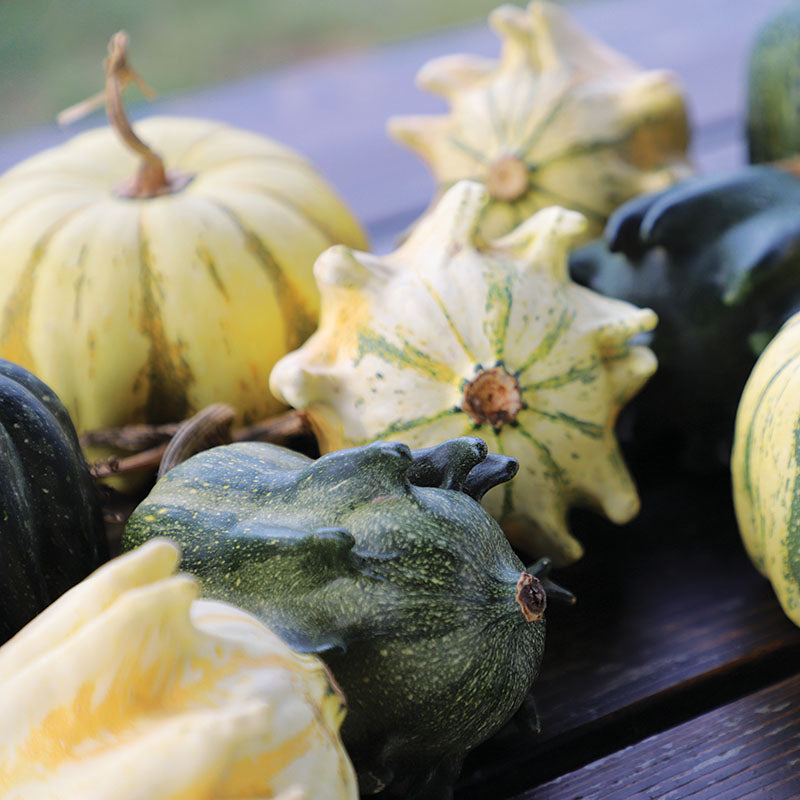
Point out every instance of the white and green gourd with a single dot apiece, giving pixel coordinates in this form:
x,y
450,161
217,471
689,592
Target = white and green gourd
x,y
445,338
559,119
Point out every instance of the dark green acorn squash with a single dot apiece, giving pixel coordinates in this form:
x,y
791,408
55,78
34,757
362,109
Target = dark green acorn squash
x,y
773,87
51,526
717,257
381,561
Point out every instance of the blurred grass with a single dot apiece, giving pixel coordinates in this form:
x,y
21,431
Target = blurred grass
x,y
51,51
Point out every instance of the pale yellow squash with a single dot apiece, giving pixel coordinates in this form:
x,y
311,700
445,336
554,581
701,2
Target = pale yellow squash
x,y
130,688
559,119
148,308
442,338
765,466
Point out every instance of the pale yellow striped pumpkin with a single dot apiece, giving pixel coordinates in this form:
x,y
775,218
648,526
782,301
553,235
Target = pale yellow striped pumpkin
x,y
443,338
147,309
130,688
559,119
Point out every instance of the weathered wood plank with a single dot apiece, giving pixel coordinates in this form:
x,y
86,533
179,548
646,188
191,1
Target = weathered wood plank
x,y
747,750
671,619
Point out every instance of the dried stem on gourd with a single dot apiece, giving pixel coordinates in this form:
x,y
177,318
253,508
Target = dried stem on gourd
x,y
152,178
205,429
209,427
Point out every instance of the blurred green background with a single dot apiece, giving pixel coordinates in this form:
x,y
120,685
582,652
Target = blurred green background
x,y
51,51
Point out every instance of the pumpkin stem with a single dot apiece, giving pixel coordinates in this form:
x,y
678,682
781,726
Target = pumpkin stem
x,y
151,179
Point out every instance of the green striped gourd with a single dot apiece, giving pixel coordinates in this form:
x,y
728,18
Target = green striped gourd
x,y
766,466
381,561
444,338
130,688
559,119
144,293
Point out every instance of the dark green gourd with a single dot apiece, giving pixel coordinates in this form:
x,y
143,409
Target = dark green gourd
x,y
382,561
51,526
717,257
773,87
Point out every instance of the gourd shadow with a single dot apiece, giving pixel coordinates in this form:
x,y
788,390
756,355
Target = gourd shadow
x,y
636,586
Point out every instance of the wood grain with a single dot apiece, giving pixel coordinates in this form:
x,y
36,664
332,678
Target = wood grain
x,y
671,620
746,750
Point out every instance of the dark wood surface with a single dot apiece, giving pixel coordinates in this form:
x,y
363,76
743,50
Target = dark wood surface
x,y
676,675
671,622
749,748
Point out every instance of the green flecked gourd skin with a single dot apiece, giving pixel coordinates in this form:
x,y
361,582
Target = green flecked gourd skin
x,y
51,526
382,561
773,87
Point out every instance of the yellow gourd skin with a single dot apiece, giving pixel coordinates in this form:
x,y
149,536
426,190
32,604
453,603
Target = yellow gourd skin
x,y
559,119
148,309
765,466
443,338
130,688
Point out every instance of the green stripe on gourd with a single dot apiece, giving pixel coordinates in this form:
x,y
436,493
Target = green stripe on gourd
x,y
445,338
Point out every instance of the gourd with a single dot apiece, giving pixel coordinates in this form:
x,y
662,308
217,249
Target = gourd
x,y
765,466
51,525
443,338
717,258
105,269
130,688
381,561
559,119
773,76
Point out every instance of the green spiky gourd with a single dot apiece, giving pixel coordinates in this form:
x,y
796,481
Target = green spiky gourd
x,y
382,562
717,258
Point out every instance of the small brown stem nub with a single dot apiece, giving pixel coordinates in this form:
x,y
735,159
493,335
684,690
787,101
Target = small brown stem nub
x,y
531,597
493,396
508,179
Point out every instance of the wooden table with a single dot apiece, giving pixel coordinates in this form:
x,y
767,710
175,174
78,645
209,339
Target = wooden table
x,y
676,675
